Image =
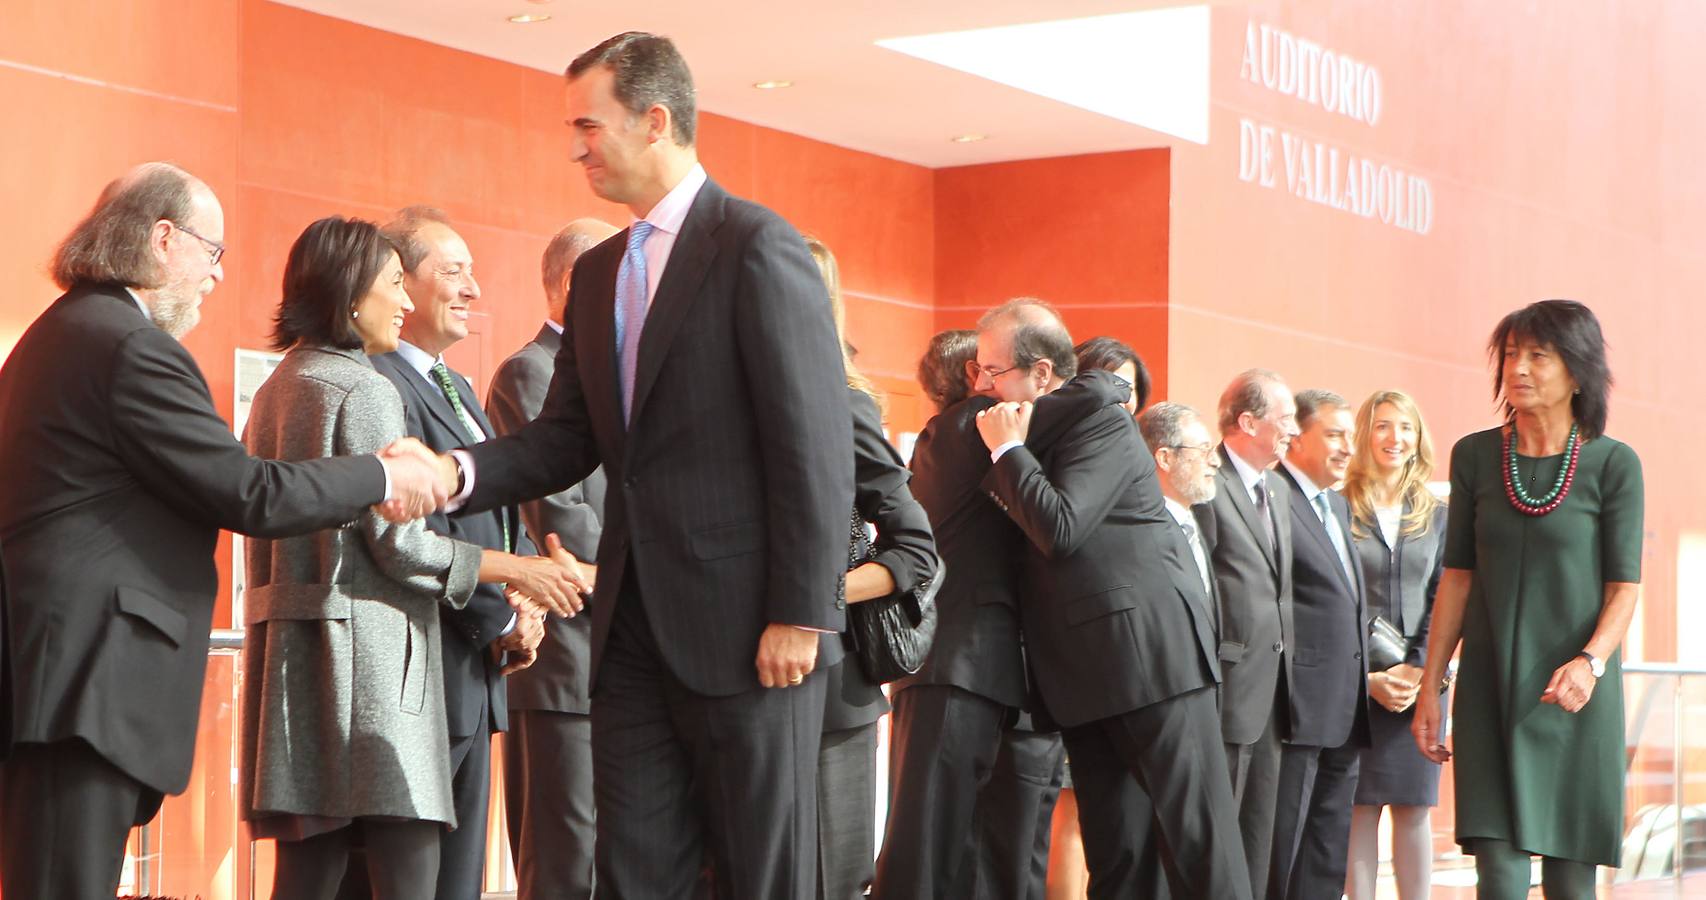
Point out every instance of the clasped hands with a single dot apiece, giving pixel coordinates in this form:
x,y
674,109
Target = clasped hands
x,y
421,481
1395,688
1004,423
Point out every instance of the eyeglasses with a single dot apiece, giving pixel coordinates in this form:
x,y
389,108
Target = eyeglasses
x,y
215,249
1204,449
993,374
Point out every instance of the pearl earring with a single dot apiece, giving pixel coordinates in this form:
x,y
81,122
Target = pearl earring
x,y
355,313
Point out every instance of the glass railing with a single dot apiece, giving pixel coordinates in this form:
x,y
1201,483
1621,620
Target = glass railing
x,y
197,848
1664,835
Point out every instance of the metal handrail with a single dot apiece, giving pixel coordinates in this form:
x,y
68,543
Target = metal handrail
x,y
225,639
1661,668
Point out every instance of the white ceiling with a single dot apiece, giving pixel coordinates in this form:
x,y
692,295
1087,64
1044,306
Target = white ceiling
x,y
847,90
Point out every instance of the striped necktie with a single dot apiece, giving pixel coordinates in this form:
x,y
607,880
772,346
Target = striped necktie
x,y
631,310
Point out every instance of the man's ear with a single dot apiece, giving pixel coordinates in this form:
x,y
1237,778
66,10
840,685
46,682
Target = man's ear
x,y
1044,372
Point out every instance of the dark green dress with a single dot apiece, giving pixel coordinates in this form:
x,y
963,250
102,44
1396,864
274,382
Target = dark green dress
x,y
1547,781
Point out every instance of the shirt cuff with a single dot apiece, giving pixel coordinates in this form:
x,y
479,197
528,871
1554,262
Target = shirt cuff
x,y
815,630
387,470
996,454
508,628
465,465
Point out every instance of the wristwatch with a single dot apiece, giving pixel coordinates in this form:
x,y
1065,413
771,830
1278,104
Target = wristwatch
x,y
1595,664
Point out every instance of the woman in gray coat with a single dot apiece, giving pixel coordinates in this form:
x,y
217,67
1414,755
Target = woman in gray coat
x,y
344,728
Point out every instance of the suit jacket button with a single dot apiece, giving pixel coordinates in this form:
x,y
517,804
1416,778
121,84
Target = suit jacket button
x,y
1359,654
841,604
1279,646
631,481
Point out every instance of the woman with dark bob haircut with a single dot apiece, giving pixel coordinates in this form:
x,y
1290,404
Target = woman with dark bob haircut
x,y
344,728
1117,357
1542,568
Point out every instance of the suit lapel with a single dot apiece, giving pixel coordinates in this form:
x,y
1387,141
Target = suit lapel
x,y
1304,512
472,404
431,398
593,314
689,260
1233,487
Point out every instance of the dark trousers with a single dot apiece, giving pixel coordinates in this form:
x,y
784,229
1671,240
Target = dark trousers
x,y
65,813
1312,822
462,856
1255,774
548,801
1170,753
941,751
399,862
846,811
677,774
1014,813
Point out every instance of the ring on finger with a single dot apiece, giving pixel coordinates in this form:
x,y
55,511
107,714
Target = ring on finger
x,y
797,679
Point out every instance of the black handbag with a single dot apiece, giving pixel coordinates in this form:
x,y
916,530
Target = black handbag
x,y
890,635
1387,646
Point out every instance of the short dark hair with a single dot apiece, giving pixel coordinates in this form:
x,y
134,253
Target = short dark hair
x,y
648,71
1573,331
110,245
1110,353
942,369
1311,402
331,266
404,232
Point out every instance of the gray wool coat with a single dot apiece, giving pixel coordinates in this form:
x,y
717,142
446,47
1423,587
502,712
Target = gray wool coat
x,y
343,691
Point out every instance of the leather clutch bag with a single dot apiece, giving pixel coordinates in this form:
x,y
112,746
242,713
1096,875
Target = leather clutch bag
x,y
1387,646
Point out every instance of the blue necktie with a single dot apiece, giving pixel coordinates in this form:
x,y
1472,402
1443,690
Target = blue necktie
x,y
1336,535
631,310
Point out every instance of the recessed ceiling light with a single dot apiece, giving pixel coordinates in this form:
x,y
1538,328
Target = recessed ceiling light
x,y
772,85
530,18
969,138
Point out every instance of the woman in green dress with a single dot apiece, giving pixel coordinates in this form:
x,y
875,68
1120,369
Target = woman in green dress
x,y
1543,564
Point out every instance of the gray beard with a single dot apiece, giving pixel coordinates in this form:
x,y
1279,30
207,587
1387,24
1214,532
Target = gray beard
x,y
174,310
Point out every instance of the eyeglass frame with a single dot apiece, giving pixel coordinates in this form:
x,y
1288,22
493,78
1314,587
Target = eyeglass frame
x,y
1206,450
215,249
992,374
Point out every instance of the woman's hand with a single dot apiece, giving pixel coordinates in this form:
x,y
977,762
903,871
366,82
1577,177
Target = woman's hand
x,y
1392,690
1571,686
1427,728
538,580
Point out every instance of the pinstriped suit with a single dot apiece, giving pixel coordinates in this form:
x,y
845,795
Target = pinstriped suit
x,y
730,486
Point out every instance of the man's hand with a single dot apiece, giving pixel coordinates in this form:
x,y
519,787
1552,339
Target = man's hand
x,y
1571,686
1004,423
786,655
521,645
539,585
416,482
579,573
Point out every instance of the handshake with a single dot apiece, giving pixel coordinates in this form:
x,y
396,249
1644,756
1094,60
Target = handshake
x,y
421,481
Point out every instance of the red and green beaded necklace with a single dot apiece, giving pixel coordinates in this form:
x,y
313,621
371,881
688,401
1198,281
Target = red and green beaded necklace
x,y
1519,496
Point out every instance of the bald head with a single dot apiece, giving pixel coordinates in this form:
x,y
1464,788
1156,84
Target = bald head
x,y
576,238
1023,350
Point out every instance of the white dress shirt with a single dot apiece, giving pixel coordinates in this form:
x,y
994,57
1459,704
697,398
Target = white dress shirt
x,y
422,363
1193,537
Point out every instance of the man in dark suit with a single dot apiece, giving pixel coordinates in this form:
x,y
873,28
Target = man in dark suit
x,y
441,408
1248,527
119,475
1118,635
1329,725
1187,462
950,717
700,367
548,751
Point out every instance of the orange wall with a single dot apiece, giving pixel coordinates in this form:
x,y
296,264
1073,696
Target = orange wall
x,y
1087,233
1559,160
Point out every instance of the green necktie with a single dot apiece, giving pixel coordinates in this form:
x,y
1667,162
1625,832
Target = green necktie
x,y
441,374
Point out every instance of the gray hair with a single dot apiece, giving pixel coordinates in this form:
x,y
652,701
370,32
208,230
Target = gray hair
x,y
646,71
576,238
1310,403
1163,425
404,232
1038,334
1248,393
110,245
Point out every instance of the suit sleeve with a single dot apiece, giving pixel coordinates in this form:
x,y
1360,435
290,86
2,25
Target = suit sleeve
x,y
1419,644
164,423
904,543
447,570
552,451
1058,509
798,390
1059,410
517,396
